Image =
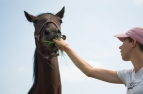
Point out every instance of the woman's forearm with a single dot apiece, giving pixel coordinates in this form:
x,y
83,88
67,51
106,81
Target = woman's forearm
x,y
80,63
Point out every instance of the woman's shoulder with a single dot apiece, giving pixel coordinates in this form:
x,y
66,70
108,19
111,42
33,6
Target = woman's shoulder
x,y
127,70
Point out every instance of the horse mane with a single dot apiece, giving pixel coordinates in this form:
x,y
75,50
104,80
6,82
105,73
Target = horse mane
x,y
35,72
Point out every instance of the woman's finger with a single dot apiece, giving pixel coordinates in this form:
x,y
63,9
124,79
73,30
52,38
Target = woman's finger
x,y
54,40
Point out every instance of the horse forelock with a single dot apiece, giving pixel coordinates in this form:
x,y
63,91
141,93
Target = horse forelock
x,y
44,14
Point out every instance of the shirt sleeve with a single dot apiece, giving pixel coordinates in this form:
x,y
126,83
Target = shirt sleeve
x,y
124,75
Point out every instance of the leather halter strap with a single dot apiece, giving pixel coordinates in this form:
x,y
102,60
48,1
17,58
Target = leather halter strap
x,y
37,36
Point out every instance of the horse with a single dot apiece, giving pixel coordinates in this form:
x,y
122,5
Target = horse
x,y
46,69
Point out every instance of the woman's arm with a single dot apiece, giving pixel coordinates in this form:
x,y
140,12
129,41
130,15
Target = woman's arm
x,y
98,73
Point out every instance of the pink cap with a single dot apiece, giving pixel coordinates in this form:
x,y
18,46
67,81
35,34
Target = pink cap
x,y
134,33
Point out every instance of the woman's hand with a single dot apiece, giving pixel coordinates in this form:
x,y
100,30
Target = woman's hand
x,y
60,43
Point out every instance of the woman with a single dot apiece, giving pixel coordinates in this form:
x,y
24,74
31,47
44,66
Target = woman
x,y
131,50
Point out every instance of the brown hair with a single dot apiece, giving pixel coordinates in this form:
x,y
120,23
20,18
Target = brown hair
x,y
140,45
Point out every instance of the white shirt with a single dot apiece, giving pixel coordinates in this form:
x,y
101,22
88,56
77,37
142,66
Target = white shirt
x,y
133,81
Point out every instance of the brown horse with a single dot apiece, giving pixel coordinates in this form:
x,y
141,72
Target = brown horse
x,y
46,69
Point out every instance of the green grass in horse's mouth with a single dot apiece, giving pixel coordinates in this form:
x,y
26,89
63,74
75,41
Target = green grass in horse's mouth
x,y
50,43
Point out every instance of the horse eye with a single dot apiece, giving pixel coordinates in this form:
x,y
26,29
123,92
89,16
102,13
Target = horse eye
x,y
35,21
59,31
46,32
60,21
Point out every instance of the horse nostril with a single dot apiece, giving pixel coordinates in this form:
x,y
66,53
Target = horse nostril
x,y
63,37
46,33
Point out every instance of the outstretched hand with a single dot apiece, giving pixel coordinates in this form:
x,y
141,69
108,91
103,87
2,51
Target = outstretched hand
x,y
60,43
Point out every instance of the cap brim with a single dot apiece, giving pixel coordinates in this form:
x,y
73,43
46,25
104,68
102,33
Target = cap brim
x,y
121,37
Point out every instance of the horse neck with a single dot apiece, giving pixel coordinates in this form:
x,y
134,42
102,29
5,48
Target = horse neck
x,y
47,76
47,68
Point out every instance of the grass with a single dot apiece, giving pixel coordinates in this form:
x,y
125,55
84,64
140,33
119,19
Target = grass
x,y
61,52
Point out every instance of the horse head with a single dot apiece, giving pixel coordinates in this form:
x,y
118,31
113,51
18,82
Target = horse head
x,y
47,27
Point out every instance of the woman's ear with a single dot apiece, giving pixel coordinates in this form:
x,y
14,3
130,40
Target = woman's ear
x,y
134,42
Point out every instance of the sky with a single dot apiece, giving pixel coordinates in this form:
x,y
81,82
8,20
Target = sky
x,y
89,26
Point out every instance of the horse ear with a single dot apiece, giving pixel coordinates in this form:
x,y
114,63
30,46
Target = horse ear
x,y
61,13
29,16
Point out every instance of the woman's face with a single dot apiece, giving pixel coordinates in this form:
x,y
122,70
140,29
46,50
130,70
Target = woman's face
x,y
126,49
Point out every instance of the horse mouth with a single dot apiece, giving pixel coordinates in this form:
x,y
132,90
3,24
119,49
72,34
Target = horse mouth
x,y
50,45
